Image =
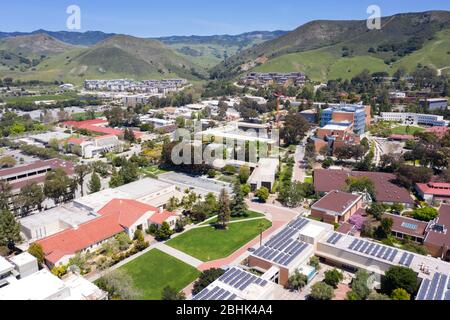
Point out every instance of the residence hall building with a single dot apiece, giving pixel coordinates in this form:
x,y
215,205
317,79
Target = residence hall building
x,y
119,215
386,191
337,206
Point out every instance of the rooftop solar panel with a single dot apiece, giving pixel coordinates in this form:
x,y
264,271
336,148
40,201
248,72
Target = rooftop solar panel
x,y
433,286
369,248
447,296
403,258
364,247
423,289
217,294
353,244
387,253
381,252
409,260
242,281
339,237
376,250
201,294
232,297
358,245
393,255
331,239
441,287
210,294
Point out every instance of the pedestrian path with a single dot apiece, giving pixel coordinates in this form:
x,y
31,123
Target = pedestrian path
x,y
179,255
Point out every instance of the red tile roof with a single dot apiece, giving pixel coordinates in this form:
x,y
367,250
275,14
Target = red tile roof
x,y
77,141
97,125
115,216
435,188
126,211
385,188
440,132
160,218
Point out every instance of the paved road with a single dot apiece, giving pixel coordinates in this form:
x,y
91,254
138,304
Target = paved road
x,y
299,172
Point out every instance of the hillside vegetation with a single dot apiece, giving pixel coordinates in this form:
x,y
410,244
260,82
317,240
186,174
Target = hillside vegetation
x,y
341,49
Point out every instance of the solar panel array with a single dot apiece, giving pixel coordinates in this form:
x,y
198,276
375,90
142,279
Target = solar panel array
x,y
282,248
406,259
240,279
335,237
374,250
436,289
216,293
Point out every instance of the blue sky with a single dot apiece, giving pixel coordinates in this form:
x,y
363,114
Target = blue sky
x,y
152,18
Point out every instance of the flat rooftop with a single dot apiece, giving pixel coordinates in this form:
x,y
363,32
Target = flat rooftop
x,y
134,191
236,284
5,265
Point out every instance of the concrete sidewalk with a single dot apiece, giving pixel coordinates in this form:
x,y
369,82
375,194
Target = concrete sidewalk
x,y
179,255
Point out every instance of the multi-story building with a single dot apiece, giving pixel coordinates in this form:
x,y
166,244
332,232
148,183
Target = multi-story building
x,y
264,79
434,104
415,119
358,115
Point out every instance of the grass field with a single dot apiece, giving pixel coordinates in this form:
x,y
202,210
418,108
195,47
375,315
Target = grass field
x,y
407,130
251,215
82,116
155,270
30,99
209,244
152,171
309,180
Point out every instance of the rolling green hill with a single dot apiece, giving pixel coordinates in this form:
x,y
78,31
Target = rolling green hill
x,y
116,57
341,49
209,51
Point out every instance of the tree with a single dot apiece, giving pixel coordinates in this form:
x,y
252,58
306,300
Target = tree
x,y
244,174
360,288
101,168
206,278
58,186
9,229
297,281
129,136
399,277
321,291
262,194
170,294
5,194
295,128
315,263
292,194
81,171
223,208
31,196
94,184
119,285
238,206
333,277
377,296
425,214
385,228
400,294
7,162
164,232
36,251
377,210
361,184
409,175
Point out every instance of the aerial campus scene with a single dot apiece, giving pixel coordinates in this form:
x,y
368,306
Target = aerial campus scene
x,y
202,151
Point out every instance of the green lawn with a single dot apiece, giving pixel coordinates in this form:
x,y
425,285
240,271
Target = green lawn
x,y
407,130
155,270
309,180
250,215
152,171
82,115
30,99
209,244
